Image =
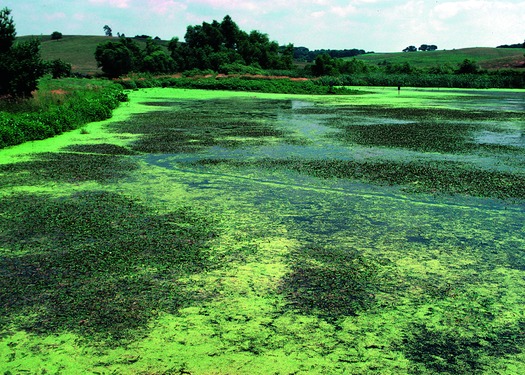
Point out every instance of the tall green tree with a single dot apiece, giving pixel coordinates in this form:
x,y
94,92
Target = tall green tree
x,y
324,65
21,65
60,69
7,30
114,58
211,45
230,32
468,67
156,60
56,35
107,30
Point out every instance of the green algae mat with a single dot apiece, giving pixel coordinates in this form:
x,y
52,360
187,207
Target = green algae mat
x,y
208,232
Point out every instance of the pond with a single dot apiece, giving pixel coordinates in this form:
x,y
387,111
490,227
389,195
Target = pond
x,y
252,234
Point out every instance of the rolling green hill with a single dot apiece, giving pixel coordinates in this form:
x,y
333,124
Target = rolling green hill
x,y
487,58
79,51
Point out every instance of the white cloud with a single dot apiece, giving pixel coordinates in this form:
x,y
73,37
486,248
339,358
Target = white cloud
x,y
166,7
343,11
481,22
112,3
380,25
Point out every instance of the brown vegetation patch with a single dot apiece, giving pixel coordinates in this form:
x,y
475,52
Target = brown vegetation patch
x,y
59,92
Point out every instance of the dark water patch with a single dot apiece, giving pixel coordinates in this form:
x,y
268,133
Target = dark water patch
x,y
202,124
417,113
66,167
489,100
413,113
425,136
423,129
419,239
231,107
509,138
329,282
448,352
95,263
430,177
442,352
420,129
100,148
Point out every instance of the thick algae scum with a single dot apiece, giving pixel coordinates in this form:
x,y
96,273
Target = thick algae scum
x,y
230,233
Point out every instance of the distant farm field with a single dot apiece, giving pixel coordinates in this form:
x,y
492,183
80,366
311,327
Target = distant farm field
x,y
80,52
213,232
487,58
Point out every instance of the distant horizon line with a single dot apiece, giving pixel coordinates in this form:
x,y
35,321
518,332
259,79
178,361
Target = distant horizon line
x,y
311,49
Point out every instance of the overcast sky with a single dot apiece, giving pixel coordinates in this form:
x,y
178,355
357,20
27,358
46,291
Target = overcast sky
x,y
372,25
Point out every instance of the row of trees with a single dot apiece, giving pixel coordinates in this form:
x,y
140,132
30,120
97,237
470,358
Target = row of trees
x,y
423,47
210,46
304,54
324,65
124,56
514,45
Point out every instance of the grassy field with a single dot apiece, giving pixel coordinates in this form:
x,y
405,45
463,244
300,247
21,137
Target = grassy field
x,y
214,232
488,58
80,50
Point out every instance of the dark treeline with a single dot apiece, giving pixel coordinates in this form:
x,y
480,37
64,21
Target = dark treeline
x,y
324,65
423,47
223,48
516,45
217,46
497,79
304,54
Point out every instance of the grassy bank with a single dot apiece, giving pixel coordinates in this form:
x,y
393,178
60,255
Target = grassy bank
x,y
249,83
58,106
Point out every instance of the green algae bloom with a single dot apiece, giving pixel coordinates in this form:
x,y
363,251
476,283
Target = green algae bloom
x,y
211,232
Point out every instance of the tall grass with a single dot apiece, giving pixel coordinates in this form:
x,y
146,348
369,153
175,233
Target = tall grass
x,y
58,106
501,79
251,84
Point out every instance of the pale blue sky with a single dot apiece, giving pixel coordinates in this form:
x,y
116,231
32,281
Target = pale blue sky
x,y
373,25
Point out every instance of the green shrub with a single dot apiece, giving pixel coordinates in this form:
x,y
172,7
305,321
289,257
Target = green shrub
x,y
60,69
49,114
238,68
247,83
10,133
198,72
34,128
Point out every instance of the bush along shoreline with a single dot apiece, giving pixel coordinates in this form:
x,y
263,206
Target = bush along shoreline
x,y
273,85
58,106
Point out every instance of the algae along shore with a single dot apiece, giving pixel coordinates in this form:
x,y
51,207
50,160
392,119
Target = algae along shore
x,y
211,232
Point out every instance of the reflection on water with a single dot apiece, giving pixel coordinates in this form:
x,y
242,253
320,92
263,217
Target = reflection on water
x,y
516,139
489,100
332,132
